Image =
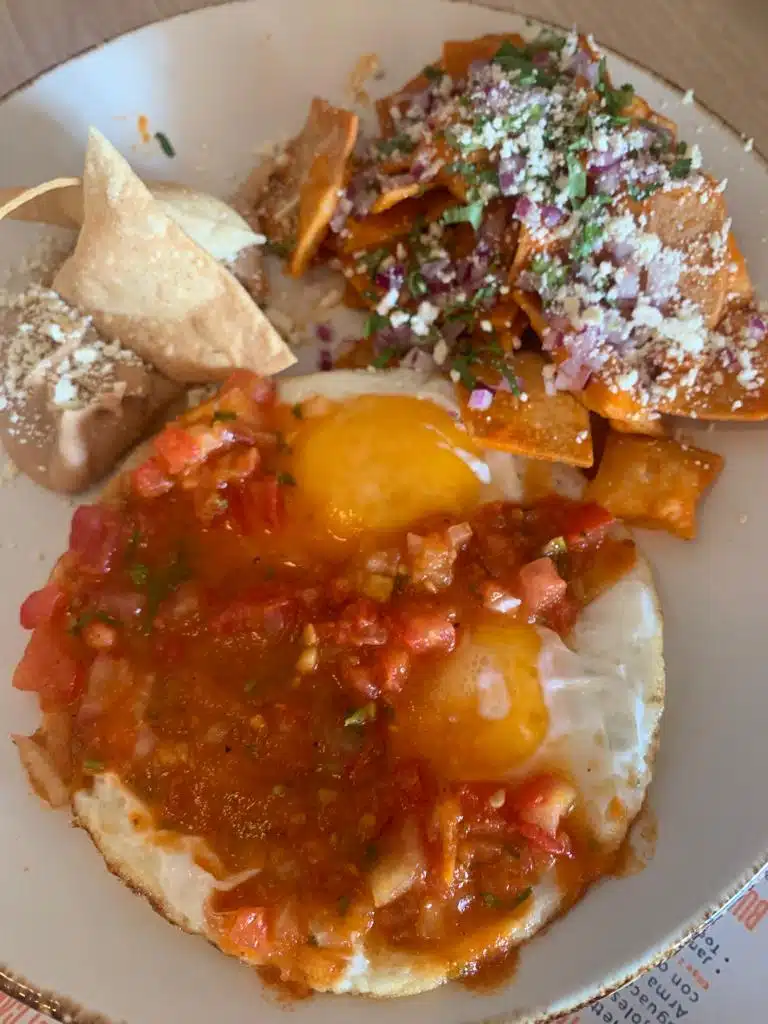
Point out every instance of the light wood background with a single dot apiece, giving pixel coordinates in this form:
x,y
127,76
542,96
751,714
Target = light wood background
x,y
719,48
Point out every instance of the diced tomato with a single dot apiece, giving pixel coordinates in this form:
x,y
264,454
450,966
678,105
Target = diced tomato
x,y
250,929
358,676
150,479
257,504
428,631
94,536
40,606
541,585
393,665
259,389
49,668
587,524
543,800
360,624
265,614
176,449
561,617
558,846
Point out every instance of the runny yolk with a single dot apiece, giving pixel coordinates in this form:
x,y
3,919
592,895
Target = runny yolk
x,y
484,714
379,463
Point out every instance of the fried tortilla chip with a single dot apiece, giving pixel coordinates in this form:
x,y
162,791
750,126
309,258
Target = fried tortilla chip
x,y
294,196
554,428
210,222
654,483
148,284
373,231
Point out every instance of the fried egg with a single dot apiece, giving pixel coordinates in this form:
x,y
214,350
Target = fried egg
x,y
382,451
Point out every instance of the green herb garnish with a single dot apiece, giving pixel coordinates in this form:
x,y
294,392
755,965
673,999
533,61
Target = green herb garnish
x,y
374,323
490,900
286,479
139,573
223,416
92,767
461,365
681,168
343,904
279,248
86,618
641,192
512,58
372,260
615,100
470,214
297,412
367,713
383,358
432,74
397,144
417,286
577,177
165,144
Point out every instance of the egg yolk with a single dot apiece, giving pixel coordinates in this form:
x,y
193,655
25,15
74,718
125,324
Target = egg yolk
x,y
379,463
482,715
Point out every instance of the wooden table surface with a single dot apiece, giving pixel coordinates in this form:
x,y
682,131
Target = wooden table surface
x,y
716,47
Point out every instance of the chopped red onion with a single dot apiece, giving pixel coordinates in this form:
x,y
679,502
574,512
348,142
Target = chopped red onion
x,y
622,251
324,332
551,216
552,339
341,213
607,183
757,324
572,375
324,360
435,271
392,277
480,399
603,160
510,169
528,212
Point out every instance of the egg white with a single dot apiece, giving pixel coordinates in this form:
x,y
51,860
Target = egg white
x,y
604,692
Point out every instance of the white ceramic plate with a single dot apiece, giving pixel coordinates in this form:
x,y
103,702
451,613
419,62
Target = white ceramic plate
x,y
221,82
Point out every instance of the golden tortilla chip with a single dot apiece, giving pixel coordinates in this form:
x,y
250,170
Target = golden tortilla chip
x,y
377,230
58,202
397,195
654,483
321,153
209,221
554,428
146,283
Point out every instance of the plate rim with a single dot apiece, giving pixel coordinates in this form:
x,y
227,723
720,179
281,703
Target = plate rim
x,y
69,1011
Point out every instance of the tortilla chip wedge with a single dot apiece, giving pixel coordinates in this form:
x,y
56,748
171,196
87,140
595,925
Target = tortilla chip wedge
x,y
148,284
58,202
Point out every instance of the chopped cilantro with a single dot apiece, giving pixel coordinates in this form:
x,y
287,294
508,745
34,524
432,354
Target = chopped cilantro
x,y
297,411
587,241
343,904
615,100
92,767
470,214
681,168
83,620
490,900
397,144
374,323
417,286
370,295
383,358
371,853
510,377
522,896
461,364
367,713
165,144
577,177
287,479
513,58
279,248
372,260
162,582
682,148
552,273
432,74
643,191
139,573
223,416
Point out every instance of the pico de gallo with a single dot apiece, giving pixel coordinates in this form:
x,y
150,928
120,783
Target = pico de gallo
x,y
255,696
